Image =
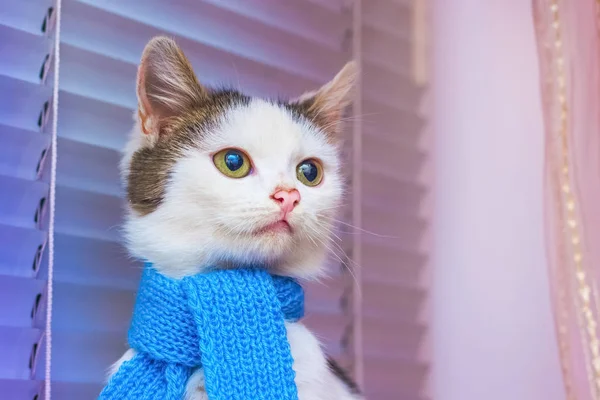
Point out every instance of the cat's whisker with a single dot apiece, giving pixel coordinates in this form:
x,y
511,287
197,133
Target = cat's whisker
x,y
337,246
353,118
341,249
363,230
347,267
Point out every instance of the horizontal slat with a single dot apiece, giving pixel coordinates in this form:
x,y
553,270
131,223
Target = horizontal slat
x,y
69,390
400,124
22,108
16,347
18,299
405,379
88,167
311,21
93,122
389,52
23,53
388,16
393,155
25,15
231,32
395,255
389,301
20,389
22,207
93,262
405,269
392,339
73,305
380,186
333,5
84,357
391,394
87,214
390,88
23,152
324,297
400,228
98,77
19,250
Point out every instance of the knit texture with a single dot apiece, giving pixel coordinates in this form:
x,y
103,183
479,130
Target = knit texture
x,y
230,323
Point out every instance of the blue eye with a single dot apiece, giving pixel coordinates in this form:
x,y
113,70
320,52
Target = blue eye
x,y
233,163
310,172
234,160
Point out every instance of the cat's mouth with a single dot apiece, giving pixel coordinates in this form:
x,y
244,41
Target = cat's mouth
x,y
279,227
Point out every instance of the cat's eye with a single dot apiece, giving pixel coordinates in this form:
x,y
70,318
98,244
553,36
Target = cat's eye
x,y
232,163
310,172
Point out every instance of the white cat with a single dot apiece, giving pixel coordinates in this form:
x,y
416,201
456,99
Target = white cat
x,y
218,178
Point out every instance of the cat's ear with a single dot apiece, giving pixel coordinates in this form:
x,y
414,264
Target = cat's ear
x,y
326,105
166,85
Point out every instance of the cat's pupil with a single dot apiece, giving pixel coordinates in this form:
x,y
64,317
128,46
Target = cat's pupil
x,y
309,170
233,160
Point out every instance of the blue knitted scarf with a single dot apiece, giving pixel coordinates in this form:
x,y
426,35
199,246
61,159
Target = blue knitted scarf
x,y
230,323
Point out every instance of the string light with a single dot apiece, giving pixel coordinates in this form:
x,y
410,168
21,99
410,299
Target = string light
x,y
572,227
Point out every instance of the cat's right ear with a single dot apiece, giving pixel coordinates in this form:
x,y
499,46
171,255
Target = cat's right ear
x,y
166,86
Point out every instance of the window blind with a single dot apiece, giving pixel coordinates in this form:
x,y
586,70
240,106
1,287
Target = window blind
x,y
390,191
26,42
267,48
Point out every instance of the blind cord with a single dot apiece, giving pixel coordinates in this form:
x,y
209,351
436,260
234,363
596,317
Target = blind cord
x,y
55,90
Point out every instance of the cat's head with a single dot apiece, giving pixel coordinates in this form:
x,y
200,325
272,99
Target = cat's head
x,y
218,178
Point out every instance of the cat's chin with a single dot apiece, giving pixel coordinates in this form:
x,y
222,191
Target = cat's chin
x,y
281,227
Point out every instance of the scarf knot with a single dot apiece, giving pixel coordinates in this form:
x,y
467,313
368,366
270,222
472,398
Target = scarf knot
x,y
230,323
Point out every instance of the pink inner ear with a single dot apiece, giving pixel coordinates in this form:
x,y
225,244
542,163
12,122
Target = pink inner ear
x,y
144,109
143,119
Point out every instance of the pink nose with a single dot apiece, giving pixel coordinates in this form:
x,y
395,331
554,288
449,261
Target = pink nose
x,y
287,199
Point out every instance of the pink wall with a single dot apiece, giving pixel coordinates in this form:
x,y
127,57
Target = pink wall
x,y
493,335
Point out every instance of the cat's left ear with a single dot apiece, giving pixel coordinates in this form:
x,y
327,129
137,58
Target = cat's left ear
x,y
326,105
166,86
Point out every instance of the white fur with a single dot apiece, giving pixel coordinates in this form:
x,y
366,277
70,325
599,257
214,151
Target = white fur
x,y
207,218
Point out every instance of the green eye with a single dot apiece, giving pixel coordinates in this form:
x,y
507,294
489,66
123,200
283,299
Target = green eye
x,y
232,163
310,172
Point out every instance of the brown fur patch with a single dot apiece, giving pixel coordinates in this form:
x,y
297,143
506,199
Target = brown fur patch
x,y
306,110
151,167
331,128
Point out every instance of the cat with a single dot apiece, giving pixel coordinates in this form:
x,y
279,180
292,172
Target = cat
x,y
219,178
